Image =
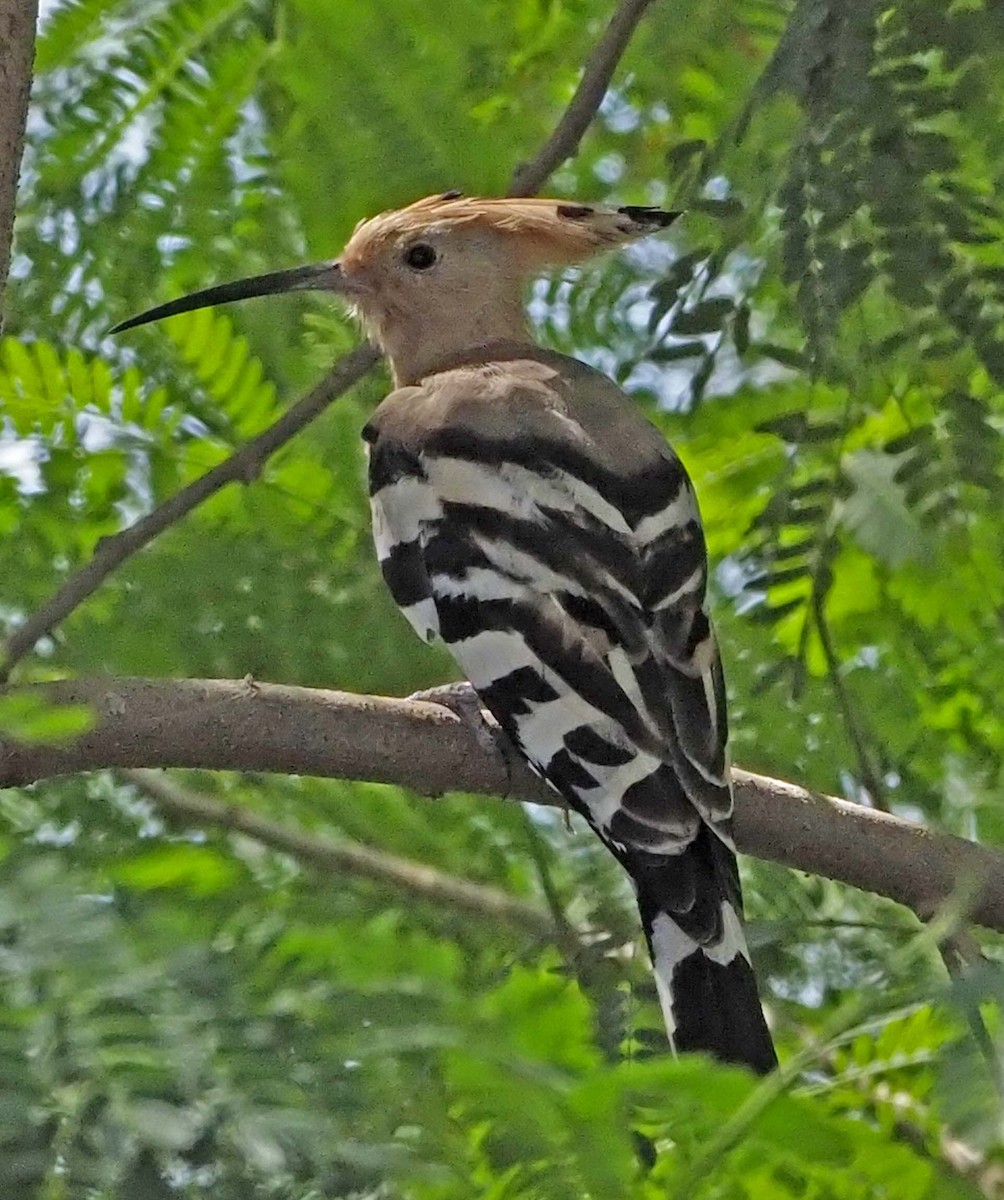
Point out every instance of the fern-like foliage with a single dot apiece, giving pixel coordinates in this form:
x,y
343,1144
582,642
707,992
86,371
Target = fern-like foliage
x,y
868,263
135,118
94,446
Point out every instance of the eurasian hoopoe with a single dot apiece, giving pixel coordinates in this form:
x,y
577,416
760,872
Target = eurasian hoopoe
x,y
526,514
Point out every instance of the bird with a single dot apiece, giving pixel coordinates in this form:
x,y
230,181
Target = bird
x,y
530,517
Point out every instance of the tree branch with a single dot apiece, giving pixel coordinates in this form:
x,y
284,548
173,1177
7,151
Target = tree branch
x,y
180,805
583,106
18,19
246,464
247,726
243,466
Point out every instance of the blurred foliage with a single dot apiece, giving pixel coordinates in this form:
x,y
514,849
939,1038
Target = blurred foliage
x,y
186,1014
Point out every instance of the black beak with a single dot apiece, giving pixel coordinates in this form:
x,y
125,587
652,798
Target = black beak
x,y
323,277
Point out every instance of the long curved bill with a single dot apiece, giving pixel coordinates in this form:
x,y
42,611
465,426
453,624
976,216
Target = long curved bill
x,y
323,277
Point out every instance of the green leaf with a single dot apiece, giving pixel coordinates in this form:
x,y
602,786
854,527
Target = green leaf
x,y
876,511
706,317
682,350
31,717
721,210
784,355
678,156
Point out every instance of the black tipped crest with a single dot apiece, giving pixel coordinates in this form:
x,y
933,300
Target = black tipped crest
x,y
645,214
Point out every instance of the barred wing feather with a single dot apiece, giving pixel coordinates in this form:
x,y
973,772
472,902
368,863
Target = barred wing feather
x,y
572,596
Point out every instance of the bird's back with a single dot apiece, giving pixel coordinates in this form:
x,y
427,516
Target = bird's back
x,y
511,396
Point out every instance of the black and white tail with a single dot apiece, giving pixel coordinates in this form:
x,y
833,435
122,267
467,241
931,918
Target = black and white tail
x,y
691,911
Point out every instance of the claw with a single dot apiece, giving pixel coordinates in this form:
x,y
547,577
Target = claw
x,y
463,701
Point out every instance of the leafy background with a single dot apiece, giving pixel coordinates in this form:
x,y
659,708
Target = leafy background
x,y
186,1013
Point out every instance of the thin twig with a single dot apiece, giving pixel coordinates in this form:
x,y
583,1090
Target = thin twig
x,y
241,467
341,857
912,1117
247,463
18,19
585,103
869,776
233,725
960,952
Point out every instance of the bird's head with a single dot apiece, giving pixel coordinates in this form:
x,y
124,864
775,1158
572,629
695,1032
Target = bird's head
x,y
444,275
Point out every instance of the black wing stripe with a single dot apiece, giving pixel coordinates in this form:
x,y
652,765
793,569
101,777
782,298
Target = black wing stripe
x,y
591,747
553,641
674,564
589,557
514,692
658,800
404,573
636,496
567,774
390,462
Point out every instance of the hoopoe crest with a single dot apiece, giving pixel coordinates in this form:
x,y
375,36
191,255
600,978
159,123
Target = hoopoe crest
x,y
529,517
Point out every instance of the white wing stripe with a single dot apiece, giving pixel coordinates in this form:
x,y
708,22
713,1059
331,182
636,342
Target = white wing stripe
x,y
678,512
518,491
423,618
543,730
492,654
690,586
519,563
479,583
401,510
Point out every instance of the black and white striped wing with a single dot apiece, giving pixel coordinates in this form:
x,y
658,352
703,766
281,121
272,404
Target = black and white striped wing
x,y
584,636
573,600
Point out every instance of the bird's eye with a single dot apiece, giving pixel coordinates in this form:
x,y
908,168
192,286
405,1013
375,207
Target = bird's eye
x,y
420,257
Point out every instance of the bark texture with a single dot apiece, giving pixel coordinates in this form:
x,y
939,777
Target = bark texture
x,y
243,725
18,19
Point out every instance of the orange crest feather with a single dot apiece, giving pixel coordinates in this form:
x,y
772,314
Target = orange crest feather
x,y
544,232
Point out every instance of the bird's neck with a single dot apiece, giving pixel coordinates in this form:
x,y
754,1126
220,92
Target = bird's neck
x,y
419,344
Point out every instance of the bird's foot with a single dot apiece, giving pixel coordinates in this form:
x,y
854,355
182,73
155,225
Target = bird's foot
x,y
463,701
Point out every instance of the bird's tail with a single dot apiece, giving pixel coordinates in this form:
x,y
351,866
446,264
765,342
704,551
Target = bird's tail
x,y
691,910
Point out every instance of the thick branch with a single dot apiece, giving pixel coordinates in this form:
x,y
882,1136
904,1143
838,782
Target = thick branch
x,y
343,858
241,467
241,726
246,464
583,106
18,19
